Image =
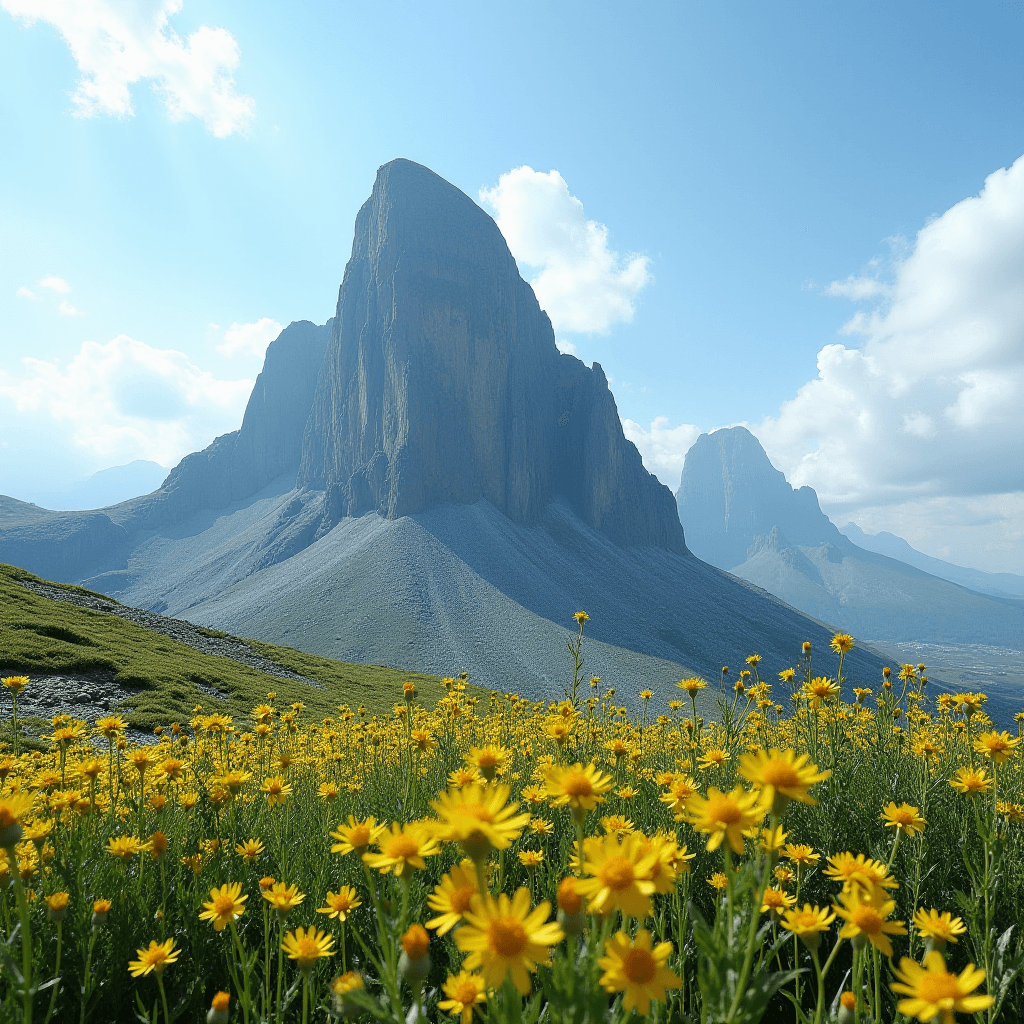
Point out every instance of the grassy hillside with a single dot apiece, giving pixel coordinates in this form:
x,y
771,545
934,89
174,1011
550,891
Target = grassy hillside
x,y
38,635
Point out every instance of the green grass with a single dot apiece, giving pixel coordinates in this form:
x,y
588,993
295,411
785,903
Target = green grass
x,y
38,635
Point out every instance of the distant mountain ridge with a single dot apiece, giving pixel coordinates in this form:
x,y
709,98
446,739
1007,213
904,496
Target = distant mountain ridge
x,y
426,482
998,584
740,514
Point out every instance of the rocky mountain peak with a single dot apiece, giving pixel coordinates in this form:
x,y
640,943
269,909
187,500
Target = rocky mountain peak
x,y
442,382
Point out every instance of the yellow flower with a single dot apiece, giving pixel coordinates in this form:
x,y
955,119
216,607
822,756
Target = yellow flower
x,y
819,689
154,959
777,902
940,928
934,993
340,903
277,790
679,792
504,936
464,991
478,818
866,915
801,853
809,923
125,847
691,685
402,850
996,746
452,897
489,759
905,818
226,905
357,835
720,880
14,683
842,643
771,840
249,850
860,871
579,788
531,859
283,897
970,781
12,809
57,904
781,776
620,875
713,758
632,966
306,946
725,815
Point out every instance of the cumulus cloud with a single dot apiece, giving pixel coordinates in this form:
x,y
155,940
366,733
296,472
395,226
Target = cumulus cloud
x,y
122,400
249,340
857,288
26,293
663,447
582,284
66,309
117,43
54,284
930,406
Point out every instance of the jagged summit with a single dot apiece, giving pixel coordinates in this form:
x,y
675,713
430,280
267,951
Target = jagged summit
x,y
730,493
442,382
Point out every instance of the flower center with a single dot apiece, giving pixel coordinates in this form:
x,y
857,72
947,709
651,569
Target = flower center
x,y
507,936
461,899
477,811
779,774
402,846
724,811
466,993
934,987
638,966
577,784
486,760
617,873
868,920
224,905
359,836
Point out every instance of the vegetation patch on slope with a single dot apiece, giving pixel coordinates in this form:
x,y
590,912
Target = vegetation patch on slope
x,y
168,678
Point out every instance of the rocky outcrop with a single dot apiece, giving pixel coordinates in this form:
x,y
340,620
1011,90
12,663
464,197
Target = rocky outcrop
x,y
442,382
730,494
268,444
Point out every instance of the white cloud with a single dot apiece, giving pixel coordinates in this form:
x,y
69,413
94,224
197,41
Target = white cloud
x,y
66,309
857,288
663,448
930,407
122,400
582,284
116,43
26,293
250,340
54,284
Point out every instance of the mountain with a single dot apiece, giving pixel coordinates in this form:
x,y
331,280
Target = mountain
x,y
740,514
428,483
998,584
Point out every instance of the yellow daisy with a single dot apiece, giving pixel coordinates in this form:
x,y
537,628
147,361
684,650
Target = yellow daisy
x,y
782,776
725,815
620,875
632,966
478,818
933,993
226,905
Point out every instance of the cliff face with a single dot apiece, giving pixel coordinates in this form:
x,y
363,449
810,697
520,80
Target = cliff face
x,y
442,382
730,494
268,444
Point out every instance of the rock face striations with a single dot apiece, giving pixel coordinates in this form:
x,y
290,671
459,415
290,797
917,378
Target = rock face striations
x,y
442,382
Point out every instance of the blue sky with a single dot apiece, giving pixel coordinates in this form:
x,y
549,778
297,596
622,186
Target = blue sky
x,y
770,165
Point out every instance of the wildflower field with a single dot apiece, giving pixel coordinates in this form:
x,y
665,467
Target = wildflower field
x,y
795,857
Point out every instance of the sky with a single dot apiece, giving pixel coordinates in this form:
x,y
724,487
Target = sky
x,y
807,218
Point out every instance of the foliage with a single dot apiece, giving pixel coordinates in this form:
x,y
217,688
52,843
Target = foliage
x,y
574,862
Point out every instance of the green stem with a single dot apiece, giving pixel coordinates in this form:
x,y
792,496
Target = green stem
x,y
26,937
56,972
163,998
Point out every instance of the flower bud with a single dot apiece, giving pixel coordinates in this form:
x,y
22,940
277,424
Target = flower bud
x,y
218,1012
